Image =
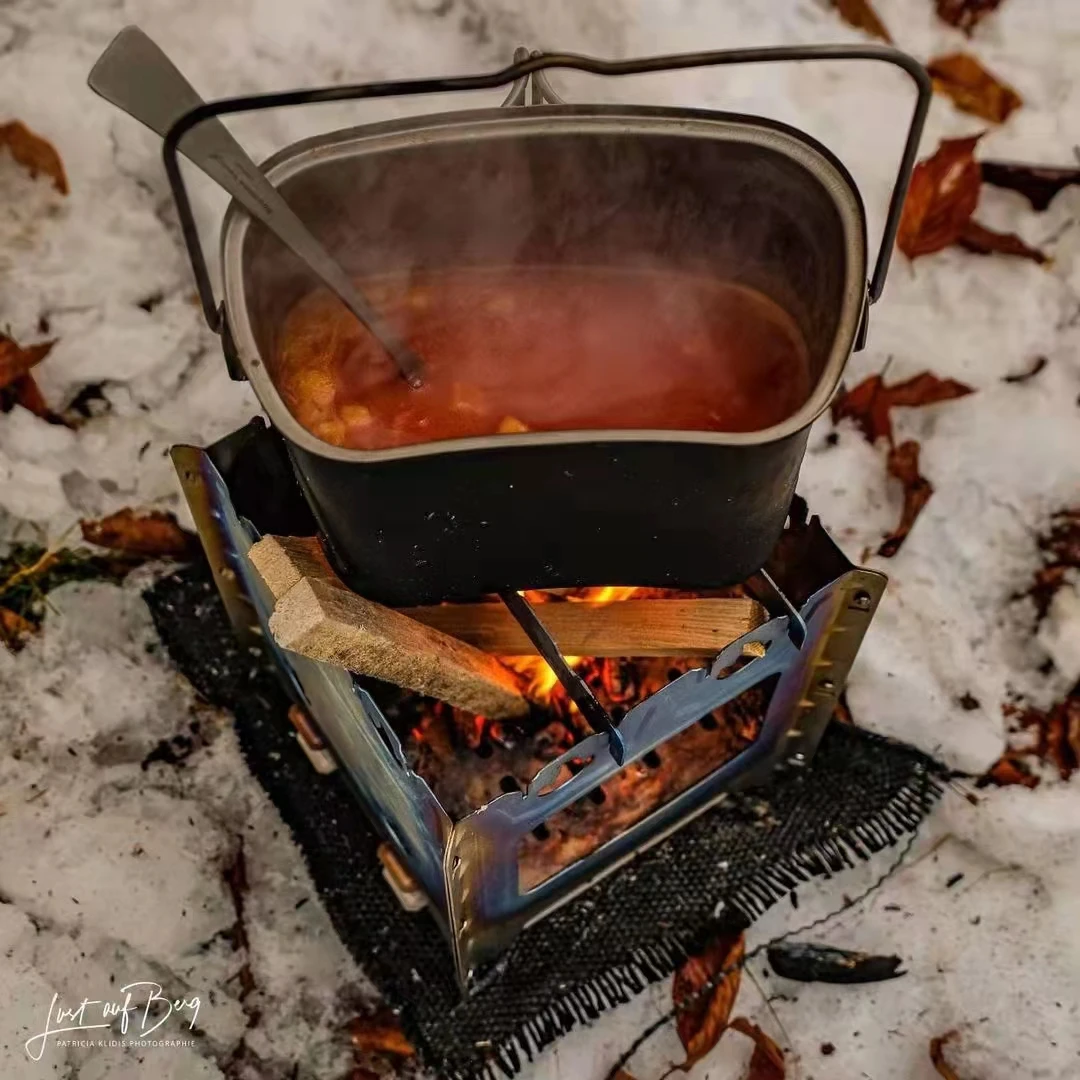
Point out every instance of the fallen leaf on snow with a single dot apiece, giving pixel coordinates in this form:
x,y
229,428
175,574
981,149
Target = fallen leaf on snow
x,y
861,15
35,154
25,391
767,1062
28,573
1007,771
869,402
973,89
806,962
943,195
16,361
14,629
1025,376
965,14
380,1033
984,241
903,463
1061,550
937,1055
153,533
1062,542
1057,733
1037,183
703,1013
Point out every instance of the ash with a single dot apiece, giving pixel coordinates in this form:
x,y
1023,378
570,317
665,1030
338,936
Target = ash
x,y
109,872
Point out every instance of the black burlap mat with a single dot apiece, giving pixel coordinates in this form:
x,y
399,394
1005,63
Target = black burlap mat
x,y
860,795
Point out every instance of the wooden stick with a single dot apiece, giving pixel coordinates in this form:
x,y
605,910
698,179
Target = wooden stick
x,y
318,617
694,627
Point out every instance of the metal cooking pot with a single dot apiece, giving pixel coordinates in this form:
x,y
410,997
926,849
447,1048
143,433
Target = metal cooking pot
x,y
744,199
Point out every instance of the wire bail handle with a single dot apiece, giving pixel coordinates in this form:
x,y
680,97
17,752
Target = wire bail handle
x,y
518,73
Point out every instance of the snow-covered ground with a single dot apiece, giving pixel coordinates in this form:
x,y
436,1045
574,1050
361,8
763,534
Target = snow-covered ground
x,y
110,873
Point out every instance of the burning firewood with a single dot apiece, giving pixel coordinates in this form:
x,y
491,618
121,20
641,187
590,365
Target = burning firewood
x,y
627,628
686,627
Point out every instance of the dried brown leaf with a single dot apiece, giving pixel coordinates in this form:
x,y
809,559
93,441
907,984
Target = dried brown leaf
x,y
1062,542
942,197
154,534
25,391
974,89
1044,587
861,15
767,1062
925,389
869,403
1008,771
806,961
965,14
14,629
380,1033
1037,183
16,361
1037,365
937,1055
1057,733
1061,549
984,241
703,1013
903,463
35,154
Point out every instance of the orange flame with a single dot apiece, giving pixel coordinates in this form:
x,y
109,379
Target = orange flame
x,y
539,680
604,594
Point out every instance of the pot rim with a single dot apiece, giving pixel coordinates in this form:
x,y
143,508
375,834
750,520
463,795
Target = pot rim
x,y
804,150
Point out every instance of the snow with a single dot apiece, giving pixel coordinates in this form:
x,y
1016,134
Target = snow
x,y
1059,633
112,872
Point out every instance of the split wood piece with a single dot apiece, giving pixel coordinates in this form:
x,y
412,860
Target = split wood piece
x,y
685,628
318,617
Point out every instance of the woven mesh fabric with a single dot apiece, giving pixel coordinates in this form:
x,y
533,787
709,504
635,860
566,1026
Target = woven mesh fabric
x,y
860,795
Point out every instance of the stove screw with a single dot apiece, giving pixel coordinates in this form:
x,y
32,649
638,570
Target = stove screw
x,y
827,684
861,600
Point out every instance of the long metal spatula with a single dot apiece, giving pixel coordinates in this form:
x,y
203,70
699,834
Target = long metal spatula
x,y
136,76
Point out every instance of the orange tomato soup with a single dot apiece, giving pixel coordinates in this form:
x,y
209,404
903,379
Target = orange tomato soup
x,y
508,351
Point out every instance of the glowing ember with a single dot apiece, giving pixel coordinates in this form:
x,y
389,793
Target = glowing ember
x,y
469,760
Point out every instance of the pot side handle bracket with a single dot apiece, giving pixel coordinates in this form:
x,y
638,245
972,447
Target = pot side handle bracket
x,y
517,75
